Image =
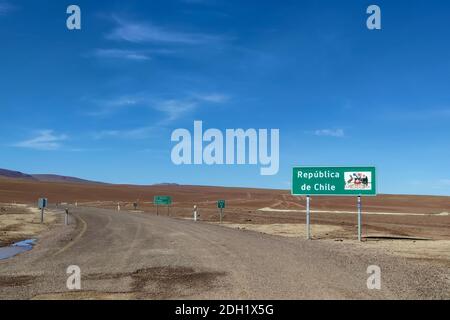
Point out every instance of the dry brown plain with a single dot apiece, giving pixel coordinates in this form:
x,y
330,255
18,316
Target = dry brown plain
x,y
384,216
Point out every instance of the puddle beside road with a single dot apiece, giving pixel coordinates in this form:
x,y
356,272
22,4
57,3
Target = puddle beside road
x,y
16,248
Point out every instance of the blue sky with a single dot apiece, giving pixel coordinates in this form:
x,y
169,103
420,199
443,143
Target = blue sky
x,y
101,103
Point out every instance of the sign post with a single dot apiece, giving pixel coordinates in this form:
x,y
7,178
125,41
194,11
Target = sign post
x,y
308,218
359,218
164,201
221,206
42,204
334,181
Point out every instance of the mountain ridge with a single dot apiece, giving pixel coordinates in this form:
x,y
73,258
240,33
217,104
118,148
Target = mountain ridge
x,y
48,177
12,174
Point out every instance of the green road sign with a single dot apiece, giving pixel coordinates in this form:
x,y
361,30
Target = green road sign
x,y
221,204
334,181
162,200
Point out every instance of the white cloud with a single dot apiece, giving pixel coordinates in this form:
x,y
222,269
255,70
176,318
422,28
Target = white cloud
x,y
137,32
136,133
172,108
417,115
6,8
45,140
213,97
108,107
337,133
177,108
121,54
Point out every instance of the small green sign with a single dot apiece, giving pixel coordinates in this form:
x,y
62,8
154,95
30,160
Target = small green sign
x,y
221,204
334,181
162,200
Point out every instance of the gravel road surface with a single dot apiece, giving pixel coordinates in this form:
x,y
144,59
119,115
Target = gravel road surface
x,y
126,255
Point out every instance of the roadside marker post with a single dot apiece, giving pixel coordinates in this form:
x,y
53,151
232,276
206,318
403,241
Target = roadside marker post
x,y
334,181
195,213
66,218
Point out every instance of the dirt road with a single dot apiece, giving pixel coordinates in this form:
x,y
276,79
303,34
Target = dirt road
x,y
140,255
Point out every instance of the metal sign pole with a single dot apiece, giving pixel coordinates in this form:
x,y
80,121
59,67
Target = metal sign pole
x,y
221,215
42,215
168,210
308,218
359,218
157,210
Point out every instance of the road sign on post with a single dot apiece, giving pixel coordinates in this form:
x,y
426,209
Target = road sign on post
x,y
221,206
42,204
334,181
162,201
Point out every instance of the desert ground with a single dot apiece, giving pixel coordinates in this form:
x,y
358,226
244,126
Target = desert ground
x,y
259,251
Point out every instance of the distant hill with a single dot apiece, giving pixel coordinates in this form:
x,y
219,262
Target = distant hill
x,y
15,174
10,174
43,177
58,178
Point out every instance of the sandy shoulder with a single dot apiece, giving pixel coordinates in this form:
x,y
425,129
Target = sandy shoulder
x,y
435,250
293,230
415,249
19,222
